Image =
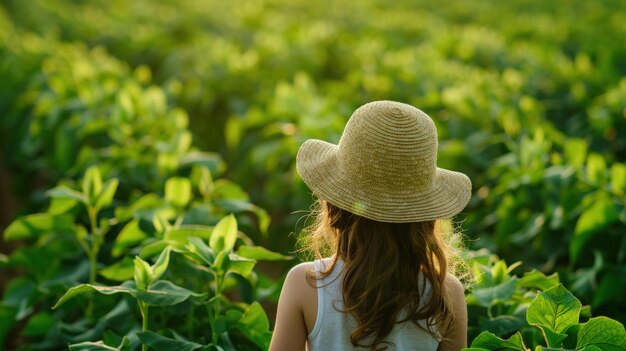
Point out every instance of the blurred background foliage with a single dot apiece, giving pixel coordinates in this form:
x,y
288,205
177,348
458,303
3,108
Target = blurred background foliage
x,y
529,98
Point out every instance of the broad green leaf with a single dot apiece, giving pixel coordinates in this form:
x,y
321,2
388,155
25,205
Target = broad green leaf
x,y
143,274
553,311
92,184
165,293
594,219
183,233
98,346
576,151
260,253
160,343
224,234
538,280
178,191
255,325
492,294
63,192
160,266
618,177
240,265
602,332
85,288
119,271
129,236
34,225
105,198
596,168
489,341
592,348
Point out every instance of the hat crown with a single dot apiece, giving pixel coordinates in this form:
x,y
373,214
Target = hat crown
x,y
391,146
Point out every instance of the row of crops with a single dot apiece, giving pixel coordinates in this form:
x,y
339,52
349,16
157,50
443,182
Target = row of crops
x,y
151,147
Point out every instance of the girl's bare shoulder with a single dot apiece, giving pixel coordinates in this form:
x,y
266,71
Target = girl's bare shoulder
x,y
297,279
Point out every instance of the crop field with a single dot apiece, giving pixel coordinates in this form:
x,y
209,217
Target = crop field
x,y
148,193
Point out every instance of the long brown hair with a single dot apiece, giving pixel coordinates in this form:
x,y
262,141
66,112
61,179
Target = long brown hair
x,y
383,273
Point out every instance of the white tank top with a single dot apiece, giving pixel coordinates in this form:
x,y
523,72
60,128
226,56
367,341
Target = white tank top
x,y
332,328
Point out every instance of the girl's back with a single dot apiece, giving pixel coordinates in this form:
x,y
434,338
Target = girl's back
x,y
332,328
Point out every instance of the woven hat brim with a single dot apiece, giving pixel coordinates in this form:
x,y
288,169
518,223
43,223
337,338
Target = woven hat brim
x,y
318,165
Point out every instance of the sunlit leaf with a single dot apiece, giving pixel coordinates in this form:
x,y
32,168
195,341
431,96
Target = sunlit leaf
x,y
165,293
596,168
92,184
260,253
85,288
143,274
255,325
105,198
604,333
160,266
183,233
618,177
224,234
489,341
554,310
178,191
538,280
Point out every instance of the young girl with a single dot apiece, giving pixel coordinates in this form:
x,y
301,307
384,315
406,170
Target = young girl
x,y
387,283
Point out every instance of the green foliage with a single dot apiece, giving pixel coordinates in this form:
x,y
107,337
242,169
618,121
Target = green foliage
x,y
554,311
129,198
209,256
101,98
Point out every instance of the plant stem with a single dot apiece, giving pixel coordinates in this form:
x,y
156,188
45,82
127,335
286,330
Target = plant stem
x,y
219,280
92,279
143,308
92,254
95,244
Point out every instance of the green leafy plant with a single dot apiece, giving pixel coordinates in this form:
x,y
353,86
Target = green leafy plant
x,y
555,312
498,299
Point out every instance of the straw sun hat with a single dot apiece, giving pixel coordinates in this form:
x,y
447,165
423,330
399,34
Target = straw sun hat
x,y
385,167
